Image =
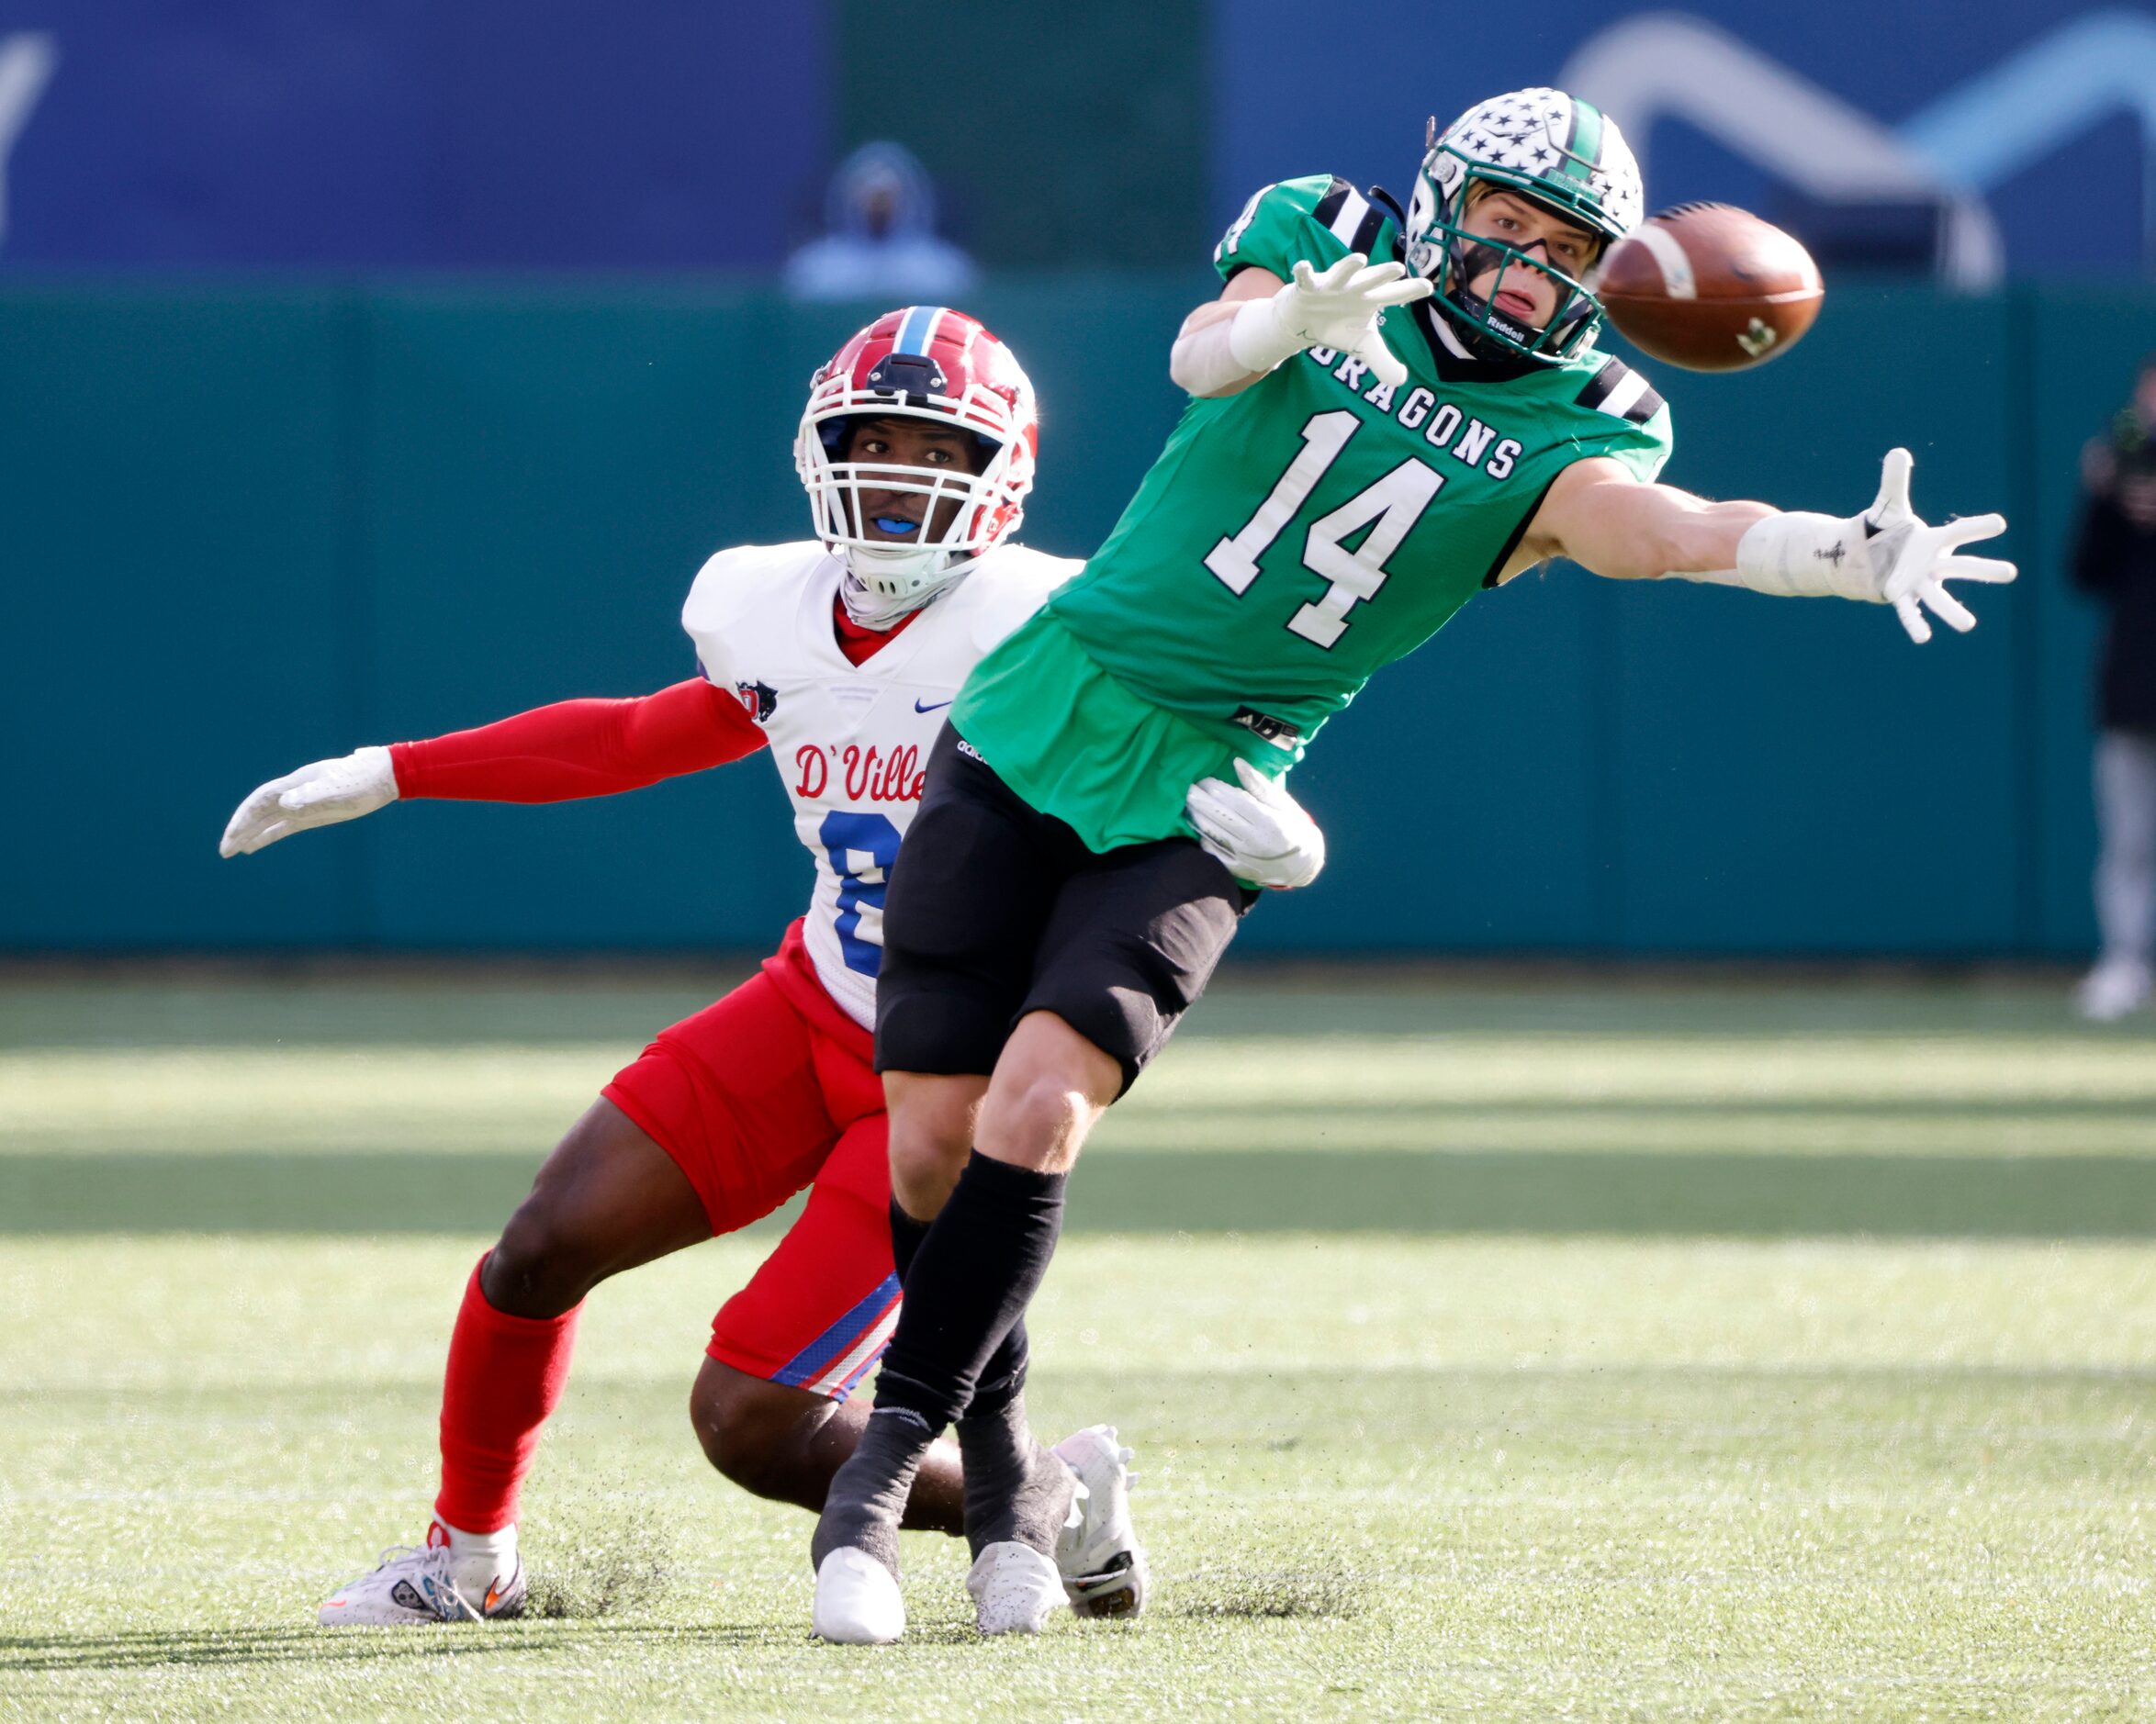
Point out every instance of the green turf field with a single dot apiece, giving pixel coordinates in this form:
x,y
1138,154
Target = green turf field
x,y
1506,1351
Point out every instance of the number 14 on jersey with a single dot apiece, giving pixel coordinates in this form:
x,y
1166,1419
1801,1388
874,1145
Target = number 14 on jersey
x,y
1389,509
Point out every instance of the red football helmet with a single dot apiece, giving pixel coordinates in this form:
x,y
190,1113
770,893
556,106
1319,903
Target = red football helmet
x,y
926,362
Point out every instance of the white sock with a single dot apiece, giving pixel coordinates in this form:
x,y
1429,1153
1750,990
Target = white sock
x,y
477,1559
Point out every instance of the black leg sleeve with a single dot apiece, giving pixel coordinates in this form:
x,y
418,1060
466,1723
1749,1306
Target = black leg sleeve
x,y
968,1287
906,1235
1004,1377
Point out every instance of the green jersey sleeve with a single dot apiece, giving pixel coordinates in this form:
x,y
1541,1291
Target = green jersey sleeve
x,y
1626,419
1321,219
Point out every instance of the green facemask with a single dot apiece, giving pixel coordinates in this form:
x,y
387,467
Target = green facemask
x,y
1463,256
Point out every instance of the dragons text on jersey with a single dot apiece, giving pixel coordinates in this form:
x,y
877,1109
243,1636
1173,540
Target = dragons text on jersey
x,y
1445,425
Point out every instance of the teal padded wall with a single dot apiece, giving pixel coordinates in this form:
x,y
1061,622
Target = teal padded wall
x,y
243,529
176,534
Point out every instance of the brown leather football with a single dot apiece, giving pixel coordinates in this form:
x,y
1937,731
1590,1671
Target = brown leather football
x,y
1711,287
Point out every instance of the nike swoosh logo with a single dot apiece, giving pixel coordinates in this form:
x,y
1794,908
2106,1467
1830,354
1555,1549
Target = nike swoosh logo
x,y
935,707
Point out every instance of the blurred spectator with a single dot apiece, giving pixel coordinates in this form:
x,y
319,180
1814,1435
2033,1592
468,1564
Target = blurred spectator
x,y
881,211
2115,559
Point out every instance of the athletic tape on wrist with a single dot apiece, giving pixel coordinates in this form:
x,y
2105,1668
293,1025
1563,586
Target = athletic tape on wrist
x,y
1796,556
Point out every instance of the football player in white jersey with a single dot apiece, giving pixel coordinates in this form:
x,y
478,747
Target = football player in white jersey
x,y
841,654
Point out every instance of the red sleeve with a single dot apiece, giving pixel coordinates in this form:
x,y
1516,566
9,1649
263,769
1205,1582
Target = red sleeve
x,y
581,748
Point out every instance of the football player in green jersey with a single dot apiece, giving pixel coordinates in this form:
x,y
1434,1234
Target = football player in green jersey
x,y
1390,415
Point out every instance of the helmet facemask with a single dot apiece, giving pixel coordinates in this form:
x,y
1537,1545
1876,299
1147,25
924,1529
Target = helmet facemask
x,y
887,577
1456,258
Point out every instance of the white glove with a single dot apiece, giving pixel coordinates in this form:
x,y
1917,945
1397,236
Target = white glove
x,y
1338,310
1264,834
1915,562
1884,557
317,795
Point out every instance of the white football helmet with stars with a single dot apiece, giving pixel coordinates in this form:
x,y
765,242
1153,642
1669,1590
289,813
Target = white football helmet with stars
x,y
1565,155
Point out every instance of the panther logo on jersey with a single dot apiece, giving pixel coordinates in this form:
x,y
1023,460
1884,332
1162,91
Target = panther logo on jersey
x,y
759,699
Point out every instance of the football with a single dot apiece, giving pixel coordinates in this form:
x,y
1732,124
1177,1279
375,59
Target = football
x,y
1711,287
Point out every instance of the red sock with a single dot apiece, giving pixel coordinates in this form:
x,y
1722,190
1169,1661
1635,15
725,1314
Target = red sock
x,y
506,1375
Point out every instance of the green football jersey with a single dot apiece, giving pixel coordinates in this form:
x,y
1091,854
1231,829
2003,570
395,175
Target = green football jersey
x,y
1295,538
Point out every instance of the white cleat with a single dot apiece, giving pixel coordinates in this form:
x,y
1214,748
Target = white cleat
x,y
1102,1564
857,1602
417,1587
1015,1588
2116,987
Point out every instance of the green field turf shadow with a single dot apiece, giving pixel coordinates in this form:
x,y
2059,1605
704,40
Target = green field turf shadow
x,y
1147,1192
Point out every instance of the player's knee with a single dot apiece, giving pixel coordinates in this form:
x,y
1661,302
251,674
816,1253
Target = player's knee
x,y
1040,1121
544,1263
931,1132
924,1165
743,1424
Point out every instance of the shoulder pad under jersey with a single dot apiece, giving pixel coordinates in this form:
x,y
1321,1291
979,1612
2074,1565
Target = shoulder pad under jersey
x,y
1011,584
1616,389
737,584
1628,419
1321,217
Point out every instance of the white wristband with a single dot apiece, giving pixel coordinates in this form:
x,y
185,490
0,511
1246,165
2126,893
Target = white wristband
x,y
1255,336
1798,555
1201,362
1232,350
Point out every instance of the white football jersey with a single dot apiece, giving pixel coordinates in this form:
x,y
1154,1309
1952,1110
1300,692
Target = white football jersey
x,y
852,740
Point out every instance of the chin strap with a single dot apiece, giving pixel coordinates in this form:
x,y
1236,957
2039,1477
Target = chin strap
x,y
880,611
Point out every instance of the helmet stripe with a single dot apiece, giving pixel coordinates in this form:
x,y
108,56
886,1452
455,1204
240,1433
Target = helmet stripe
x,y
1584,146
916,333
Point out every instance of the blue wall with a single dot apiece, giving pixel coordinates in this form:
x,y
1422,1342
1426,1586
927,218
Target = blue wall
x,y
694,133
244,530
2073,203
390,133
